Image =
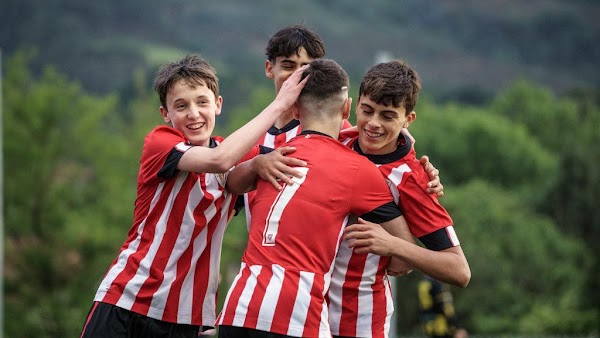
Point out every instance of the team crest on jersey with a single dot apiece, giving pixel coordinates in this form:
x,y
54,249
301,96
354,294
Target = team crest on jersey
x,y
222,178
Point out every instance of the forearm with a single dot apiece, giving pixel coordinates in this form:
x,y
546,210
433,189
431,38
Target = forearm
x,y
399,228
449,266
236,145
242,178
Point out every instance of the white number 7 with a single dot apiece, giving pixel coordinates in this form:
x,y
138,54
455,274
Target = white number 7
x,y
281,201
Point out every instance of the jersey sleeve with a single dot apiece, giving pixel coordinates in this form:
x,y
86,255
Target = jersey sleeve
x,y
163,147
428,220
371,198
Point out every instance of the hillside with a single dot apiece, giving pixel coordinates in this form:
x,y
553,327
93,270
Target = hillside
x,y
464,50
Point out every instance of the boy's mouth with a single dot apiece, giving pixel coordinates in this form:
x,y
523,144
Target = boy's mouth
x,y
372,134
196,126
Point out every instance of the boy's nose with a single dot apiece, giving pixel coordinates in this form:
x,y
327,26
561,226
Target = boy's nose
x,y
194,112
373,123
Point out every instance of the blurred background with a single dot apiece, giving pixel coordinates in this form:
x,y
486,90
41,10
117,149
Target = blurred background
x,y
509,113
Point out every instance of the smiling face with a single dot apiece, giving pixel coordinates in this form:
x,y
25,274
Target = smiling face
x,y
192,110
379,125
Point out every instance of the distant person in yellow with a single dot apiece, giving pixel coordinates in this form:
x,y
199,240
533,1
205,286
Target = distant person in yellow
x,y
437,310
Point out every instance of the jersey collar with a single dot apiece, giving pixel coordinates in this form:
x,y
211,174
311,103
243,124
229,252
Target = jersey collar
x,y
404,145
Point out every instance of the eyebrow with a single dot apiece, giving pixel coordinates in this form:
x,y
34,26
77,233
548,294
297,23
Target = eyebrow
x,y
383,111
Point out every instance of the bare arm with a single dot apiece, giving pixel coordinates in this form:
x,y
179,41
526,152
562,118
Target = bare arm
x,y
234,147
449,265
273,167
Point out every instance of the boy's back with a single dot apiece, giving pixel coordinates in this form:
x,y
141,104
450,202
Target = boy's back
x,y
287,265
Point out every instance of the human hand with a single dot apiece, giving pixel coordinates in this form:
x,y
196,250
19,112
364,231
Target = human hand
x,y
398,267
368,237
435,185
291,88
276,166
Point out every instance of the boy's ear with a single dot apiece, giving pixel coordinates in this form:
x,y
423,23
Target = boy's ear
x,y
269,70
296,111
219,103
165,114
410,118
346,108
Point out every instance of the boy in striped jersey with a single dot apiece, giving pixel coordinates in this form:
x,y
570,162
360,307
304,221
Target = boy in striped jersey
x,y
164,280
360,297
287,50
295,232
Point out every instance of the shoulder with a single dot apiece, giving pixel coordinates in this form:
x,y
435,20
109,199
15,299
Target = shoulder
x,y
162,139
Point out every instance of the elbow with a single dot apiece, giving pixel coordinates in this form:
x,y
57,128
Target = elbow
x,y
463,278
222,163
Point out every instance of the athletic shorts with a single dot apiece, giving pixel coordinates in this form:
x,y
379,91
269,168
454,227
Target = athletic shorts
x,y
109,321
242,332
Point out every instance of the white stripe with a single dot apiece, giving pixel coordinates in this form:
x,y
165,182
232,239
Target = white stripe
x,y
365,293
452,234
233,284
159,299
242,308
269,303
269,141
389,306
301,304
135,284
209,306
290,134
395,177
124,255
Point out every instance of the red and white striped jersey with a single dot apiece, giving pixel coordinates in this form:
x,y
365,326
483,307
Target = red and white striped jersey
x,y
294,237
168,267
275,138
360,299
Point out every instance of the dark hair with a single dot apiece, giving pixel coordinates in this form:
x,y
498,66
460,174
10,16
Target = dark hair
x,y
193,69
392,83
291,39
327,78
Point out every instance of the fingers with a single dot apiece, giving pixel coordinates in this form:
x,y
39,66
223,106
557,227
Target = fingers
x,y
438,190
357,227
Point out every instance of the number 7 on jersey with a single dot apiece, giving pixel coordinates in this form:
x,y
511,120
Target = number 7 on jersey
x,y
281,201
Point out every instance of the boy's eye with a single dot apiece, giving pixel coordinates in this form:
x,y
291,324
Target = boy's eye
x,y
388,117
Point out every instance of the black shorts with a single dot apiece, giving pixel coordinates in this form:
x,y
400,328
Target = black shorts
x,y
109,321
242,332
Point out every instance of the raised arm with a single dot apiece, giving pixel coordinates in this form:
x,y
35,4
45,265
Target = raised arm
x,y
234,147
274,167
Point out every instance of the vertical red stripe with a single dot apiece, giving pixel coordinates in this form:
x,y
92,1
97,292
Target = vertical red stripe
x,y
143,299
313,317
115,290
257,296
380,301
285,303
234,297
349,317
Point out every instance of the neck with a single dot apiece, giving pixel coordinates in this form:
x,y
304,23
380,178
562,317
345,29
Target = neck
x,y
284,119
331,128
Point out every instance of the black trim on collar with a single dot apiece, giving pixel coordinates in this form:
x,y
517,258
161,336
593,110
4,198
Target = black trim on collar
x,y
291,125
402,150
314,132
